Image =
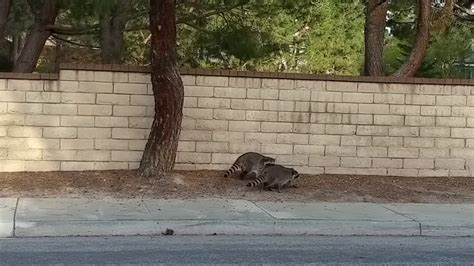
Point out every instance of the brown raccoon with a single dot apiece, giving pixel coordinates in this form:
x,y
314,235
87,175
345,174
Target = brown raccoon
x,y
249,164
274,175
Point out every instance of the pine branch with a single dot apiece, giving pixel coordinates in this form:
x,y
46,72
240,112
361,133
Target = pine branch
x,y
68,30
93,29
74,43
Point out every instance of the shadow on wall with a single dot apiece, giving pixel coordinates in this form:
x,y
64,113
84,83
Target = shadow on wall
x,y
22,144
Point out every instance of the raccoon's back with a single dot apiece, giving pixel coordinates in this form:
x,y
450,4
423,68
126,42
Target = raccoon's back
x,y
277,170
252,156
249,159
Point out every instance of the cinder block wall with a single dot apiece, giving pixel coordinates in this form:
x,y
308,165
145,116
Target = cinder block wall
x,y
89,119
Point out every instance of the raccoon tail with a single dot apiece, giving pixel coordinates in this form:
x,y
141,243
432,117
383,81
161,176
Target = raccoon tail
x,y
256,182
232,169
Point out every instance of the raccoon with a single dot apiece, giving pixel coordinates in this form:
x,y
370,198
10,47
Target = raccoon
x,y
274,175
249,164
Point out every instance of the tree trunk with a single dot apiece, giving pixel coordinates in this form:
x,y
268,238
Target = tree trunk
x,y
18,43
37,38
5,6
374,37
443,19
57,56
112,26
160,151
415,60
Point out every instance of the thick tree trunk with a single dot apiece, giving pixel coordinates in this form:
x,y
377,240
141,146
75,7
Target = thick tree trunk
x,y
374,37
160,150
5,6
112,26
417,55
37,38
5,46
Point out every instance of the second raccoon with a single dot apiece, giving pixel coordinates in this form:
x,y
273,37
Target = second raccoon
x,y
274,176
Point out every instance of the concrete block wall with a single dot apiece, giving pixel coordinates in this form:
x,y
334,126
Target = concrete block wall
x,y
96,120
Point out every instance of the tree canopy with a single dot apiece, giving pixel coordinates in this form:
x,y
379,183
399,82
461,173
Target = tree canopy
x,y
308,36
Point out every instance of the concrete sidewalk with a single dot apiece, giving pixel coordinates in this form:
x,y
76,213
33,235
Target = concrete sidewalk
x,y
27,217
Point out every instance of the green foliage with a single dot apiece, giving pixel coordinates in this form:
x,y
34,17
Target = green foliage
x,y
277,36
446,49
312,36
336,41
395,52
238,39
20,19
137,50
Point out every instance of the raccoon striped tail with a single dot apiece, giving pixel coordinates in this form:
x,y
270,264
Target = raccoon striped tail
x,y
259,180
232,169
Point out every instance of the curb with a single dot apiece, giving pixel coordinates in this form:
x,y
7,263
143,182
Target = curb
x,y
235,227
111,217
6,229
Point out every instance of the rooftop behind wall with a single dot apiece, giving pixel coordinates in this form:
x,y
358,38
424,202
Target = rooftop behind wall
x,y
98,117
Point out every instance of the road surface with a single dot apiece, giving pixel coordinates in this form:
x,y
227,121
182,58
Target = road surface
x,y
236,250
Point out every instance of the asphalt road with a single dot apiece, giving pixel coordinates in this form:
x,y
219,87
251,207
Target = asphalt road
x,y
236,250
